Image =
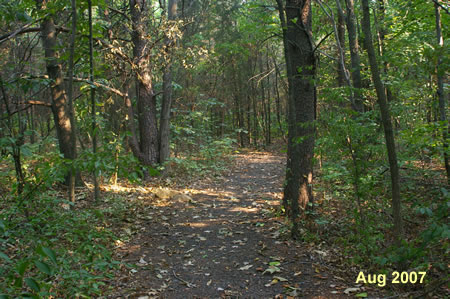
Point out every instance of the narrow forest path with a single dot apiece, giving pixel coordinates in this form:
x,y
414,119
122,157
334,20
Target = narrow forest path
x,y
225,243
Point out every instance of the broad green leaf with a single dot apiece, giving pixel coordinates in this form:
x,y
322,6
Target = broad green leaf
x,y
50,253
32,283
5,257
18,282
26,152
21,267
43,267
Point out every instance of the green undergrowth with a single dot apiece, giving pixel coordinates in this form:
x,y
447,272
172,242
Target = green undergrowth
x,y
53,248
353,210
55,251
210,158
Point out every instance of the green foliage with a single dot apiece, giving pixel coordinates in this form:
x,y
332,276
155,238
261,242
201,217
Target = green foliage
x,y
196,148
354,173
54,252
212,158
106,162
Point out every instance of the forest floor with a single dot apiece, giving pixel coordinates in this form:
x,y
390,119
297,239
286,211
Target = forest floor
x,y
227,241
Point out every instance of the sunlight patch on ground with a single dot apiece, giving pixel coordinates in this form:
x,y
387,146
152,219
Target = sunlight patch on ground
x,y
245,210
196,224
118,188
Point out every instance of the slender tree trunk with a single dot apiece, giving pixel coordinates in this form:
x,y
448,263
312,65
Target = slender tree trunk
x,y
277,99
354,55
18,141
381,34
164,127
255,108
341,36
290,114
248,113
301,68
70,95
263,98
240,106
387,124
269,141
94,121
342,70
32,122
440,88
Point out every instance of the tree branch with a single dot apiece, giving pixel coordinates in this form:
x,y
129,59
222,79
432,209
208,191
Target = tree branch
x,y
27,29
441,6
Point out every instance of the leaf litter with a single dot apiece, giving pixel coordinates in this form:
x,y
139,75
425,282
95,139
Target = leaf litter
x,y
227,242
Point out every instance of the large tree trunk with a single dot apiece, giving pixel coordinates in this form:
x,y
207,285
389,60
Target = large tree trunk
x,y
147,151
300,61
164,127
386,119
59,104
440,88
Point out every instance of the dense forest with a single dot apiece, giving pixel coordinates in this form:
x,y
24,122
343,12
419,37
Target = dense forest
x,y
224,148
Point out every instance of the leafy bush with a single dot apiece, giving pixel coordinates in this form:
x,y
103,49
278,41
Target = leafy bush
x,y
54,252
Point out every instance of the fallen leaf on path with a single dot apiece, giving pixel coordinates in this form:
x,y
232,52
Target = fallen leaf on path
x,y
279,278
272,269
351,290
245,267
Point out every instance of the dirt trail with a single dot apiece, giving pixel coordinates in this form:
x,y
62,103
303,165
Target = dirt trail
x,y
225,243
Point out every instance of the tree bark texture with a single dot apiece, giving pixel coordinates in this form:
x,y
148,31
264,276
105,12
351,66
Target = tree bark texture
x,y
59,104
300,61
148,149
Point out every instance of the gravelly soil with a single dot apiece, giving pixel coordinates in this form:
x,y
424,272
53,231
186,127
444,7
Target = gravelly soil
x,y
219,244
